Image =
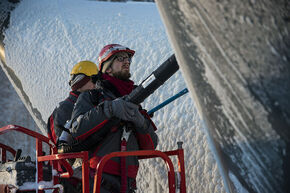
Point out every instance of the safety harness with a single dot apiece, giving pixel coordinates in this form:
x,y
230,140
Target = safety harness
x,y
125,137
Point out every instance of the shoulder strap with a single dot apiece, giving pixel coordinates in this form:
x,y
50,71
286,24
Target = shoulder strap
x,y
50,129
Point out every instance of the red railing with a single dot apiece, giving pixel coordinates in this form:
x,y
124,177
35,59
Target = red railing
x,y
85,166
4,149
60,159
146,155
57,159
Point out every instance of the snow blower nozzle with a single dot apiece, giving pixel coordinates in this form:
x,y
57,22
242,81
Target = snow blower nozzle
x,y
154,80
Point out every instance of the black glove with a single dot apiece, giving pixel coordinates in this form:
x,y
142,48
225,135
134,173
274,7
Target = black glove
x,y
124,110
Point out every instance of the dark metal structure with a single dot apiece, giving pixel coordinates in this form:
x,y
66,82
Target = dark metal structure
x,y
235,59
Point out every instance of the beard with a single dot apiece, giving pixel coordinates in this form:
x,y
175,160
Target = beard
x,y
122,75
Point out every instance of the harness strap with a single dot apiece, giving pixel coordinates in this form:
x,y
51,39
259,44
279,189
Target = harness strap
x,y
123,167
52,134
125,138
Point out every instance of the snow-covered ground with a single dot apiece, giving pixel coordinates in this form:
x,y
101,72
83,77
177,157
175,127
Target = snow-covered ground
x,y
47,37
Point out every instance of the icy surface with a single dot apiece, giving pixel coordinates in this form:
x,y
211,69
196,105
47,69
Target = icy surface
x,y
46,38
227,61
13,111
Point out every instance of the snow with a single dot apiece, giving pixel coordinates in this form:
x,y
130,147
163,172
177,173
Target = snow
x,y
47,37
40,185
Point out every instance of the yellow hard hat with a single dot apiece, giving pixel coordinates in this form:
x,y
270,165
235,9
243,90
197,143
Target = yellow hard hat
x,y
85,67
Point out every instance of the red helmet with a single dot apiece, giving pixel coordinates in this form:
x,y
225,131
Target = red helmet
x,y
110,50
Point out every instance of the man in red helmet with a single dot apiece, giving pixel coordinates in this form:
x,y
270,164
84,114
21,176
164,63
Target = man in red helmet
x,y
95,126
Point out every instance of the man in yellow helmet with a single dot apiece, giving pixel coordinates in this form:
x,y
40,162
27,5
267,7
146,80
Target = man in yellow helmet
x,y
82,78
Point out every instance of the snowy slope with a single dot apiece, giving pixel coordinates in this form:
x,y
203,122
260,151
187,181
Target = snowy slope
x,y
46,38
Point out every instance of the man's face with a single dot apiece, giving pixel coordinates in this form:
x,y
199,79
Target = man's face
x,y
120,67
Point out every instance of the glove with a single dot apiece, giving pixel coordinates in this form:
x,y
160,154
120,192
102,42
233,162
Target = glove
x,y
124,110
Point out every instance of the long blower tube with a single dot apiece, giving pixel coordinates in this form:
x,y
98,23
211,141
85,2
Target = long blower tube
x,y
154,80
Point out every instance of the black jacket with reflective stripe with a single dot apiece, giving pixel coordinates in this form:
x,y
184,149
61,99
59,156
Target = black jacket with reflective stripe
x,y
102,135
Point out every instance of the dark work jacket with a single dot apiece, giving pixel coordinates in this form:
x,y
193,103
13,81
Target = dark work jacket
x,y
60,115
89,119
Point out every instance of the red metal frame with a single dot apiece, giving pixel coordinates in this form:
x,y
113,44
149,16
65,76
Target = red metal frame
x,y
4,149
55,158
148,154
60,159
